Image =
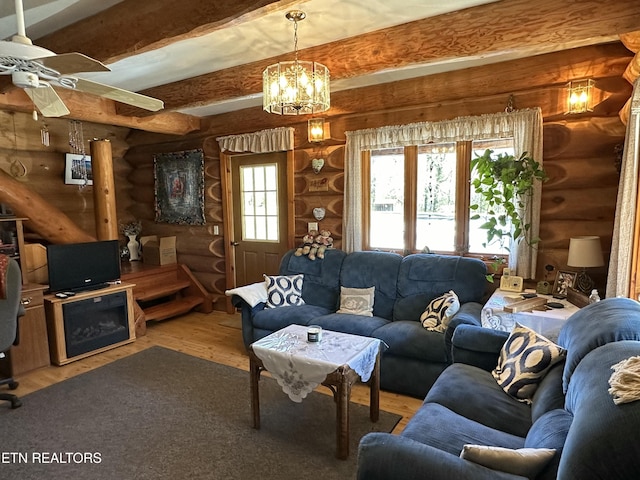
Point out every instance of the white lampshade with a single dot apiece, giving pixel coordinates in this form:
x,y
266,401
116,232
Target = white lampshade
x,y
585,252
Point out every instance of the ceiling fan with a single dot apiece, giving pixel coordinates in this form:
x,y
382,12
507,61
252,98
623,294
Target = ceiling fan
x,y
35,69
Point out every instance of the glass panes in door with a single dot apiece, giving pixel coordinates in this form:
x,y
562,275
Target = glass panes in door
x,y
259,197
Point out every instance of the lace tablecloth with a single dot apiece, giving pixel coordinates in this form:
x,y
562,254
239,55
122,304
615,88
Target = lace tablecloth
x,y
300,366
545,322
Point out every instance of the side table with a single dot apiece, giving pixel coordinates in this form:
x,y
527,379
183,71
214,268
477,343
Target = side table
x,y
547,321
337,362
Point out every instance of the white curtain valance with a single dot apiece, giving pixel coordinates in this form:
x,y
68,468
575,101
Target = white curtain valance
x,y
264,141
482,127
525,126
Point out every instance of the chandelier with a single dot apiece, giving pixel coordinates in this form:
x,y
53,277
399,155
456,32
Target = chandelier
x,y
297,87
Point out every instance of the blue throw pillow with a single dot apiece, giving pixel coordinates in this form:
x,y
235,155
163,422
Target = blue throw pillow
x,y
284,290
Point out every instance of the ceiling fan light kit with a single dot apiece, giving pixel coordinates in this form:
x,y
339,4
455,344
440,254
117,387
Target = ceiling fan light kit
x,y
34,69
296,87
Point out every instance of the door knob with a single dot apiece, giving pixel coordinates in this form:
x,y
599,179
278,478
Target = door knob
x,y
235,244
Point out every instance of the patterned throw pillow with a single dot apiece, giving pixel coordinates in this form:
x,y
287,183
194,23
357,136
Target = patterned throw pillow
x,y
438,313
525,359
283,290
357,301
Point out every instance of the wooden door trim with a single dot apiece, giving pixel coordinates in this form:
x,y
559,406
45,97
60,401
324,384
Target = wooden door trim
x,y
227,213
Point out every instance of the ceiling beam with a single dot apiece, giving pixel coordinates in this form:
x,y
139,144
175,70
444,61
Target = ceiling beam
x,y
472,91
501,27
134,26
101,110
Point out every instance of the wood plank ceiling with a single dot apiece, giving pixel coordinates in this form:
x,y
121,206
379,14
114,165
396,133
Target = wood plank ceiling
x,y
519,27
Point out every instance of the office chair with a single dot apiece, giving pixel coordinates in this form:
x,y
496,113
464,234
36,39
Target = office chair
x,y
10,309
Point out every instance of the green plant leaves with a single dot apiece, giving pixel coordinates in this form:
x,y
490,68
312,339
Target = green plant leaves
x,y
504,181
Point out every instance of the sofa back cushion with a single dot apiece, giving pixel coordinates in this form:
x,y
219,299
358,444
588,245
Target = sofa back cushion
x,y
423,277
373,269
321,285
611,320
549,395
602,440
550,431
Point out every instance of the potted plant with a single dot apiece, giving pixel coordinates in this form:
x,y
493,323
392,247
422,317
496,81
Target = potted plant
x,y
504,182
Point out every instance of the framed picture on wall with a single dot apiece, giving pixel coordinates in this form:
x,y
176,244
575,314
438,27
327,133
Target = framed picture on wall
x,y
77,169
564,281
179,187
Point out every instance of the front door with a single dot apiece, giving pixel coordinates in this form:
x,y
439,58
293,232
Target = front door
x,y
259,212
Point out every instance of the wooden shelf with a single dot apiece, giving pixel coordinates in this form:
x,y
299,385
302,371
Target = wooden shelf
x,y
163,292
172,308
32,350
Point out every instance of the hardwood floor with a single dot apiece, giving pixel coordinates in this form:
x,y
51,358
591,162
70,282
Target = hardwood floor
x,y
206,336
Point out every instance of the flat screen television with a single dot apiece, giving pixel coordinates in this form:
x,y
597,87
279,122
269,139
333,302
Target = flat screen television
x,y
83,266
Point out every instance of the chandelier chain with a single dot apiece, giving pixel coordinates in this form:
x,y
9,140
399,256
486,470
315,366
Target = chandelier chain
x,y
295,39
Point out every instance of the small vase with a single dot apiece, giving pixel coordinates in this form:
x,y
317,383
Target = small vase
x,y
134,248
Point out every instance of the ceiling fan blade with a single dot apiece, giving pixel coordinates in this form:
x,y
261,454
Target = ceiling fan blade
x,y
120,95
47,101
67,63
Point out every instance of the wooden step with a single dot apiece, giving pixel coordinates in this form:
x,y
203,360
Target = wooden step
x,y
171,309
159,291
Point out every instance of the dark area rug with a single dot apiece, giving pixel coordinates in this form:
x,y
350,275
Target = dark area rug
x,y
161,414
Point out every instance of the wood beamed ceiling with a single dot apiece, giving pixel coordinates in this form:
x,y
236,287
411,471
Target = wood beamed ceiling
x,y
504,26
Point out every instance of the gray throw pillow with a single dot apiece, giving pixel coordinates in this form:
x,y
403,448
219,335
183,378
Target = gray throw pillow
x,y
357,301
526,462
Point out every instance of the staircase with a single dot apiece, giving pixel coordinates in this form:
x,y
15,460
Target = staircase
x,y
162,292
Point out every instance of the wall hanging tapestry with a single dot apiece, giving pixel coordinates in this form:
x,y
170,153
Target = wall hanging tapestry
x,y
179,187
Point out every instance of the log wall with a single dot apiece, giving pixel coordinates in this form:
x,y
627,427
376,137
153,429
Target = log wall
x,y
42,167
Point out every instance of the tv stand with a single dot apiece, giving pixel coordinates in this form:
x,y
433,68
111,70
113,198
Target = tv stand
x,y
89,322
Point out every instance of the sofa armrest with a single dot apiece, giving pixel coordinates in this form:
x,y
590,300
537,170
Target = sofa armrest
x,y
477,346
384,456
469,314
247,313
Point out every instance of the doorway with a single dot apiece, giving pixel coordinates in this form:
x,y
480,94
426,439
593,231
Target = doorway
x,y
258,214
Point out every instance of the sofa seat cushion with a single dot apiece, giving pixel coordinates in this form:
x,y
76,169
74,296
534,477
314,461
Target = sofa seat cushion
x,y
353,324
436,425
408,338
276,318
491,406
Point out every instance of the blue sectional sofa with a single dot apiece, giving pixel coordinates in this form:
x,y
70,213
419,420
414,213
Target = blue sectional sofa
x,y
404,286
572,411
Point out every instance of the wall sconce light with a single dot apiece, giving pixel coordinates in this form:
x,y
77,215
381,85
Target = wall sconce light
x,y
579,96
318,130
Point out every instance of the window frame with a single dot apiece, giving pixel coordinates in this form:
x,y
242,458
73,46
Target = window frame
x,y
462,214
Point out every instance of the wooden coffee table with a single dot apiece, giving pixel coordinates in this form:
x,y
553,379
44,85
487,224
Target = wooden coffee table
x,y
289,346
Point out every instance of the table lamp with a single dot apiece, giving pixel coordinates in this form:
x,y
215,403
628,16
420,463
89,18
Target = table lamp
x,y
585,252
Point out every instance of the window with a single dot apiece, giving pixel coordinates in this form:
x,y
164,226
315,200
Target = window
x,y
259,193
419,198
